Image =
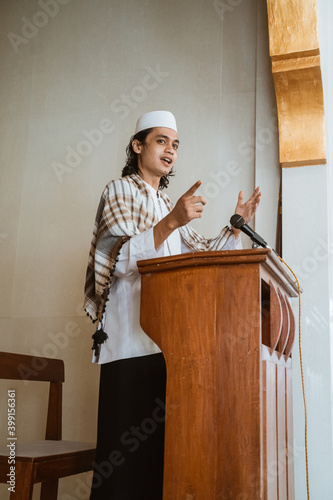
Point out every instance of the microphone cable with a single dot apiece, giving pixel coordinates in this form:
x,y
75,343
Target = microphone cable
x,y
238,222
302,377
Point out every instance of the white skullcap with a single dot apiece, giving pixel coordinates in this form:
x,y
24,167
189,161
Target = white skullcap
x,y
156,119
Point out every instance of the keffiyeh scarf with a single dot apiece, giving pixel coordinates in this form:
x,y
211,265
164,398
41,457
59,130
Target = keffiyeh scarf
x,y
127,208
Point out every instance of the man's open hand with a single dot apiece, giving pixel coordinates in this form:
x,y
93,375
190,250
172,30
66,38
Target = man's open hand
x,y
248,209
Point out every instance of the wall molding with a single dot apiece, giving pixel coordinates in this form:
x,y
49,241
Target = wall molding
x,y
295,56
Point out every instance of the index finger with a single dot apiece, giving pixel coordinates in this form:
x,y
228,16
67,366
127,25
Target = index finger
x,y
193,189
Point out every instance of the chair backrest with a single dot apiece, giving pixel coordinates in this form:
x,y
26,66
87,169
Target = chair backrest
x,y
24,367
34,368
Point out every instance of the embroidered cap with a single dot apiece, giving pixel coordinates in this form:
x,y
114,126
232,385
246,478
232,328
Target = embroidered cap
x,y
156,119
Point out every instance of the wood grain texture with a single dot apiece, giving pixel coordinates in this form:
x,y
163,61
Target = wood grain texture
x,y
292,331
24,481
269,430
24,367
42,461
278,457
283,339
282,448
290,435
54,412
276,316
207,316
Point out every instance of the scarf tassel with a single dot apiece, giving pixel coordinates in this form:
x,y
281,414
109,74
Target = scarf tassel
x,y
99,338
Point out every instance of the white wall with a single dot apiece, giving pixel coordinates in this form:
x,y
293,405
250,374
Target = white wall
x,y
307,247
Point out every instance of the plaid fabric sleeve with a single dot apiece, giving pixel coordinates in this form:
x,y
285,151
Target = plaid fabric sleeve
x,y
122,213
199,244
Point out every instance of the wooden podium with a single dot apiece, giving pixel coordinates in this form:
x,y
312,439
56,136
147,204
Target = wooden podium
x,y
226,328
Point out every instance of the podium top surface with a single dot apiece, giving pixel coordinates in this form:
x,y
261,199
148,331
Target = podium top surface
x,y
264,256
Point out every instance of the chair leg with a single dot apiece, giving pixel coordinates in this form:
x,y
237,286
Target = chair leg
x,y
23,481
49,490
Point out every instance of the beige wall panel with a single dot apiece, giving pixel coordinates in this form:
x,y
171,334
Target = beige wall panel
x,y
85,67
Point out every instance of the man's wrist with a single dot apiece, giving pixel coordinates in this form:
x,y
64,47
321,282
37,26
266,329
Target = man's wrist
x,y
236,232
171,222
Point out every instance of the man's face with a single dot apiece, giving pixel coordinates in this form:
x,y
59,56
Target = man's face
x,y
157,155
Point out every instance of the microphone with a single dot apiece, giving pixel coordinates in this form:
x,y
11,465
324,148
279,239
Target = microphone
x,y
238,222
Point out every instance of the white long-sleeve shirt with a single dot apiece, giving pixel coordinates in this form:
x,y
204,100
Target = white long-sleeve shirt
x,y
126,339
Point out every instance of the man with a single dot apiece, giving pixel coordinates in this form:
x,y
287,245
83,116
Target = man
x,y
136,220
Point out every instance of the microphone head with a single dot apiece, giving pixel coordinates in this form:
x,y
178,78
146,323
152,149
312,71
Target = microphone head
x,y
237,221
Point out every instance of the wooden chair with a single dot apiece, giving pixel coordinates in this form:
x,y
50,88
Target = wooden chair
x,y
41,461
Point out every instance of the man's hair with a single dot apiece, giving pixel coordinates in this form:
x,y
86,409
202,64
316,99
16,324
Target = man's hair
x,y
131,165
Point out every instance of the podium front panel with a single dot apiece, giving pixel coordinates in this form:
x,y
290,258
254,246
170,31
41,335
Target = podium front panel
x,y
227,402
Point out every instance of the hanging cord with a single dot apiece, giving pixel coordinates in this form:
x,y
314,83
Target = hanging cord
x,y
302,377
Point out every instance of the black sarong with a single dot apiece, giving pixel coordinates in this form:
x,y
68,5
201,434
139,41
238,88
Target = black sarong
x,y
130,440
